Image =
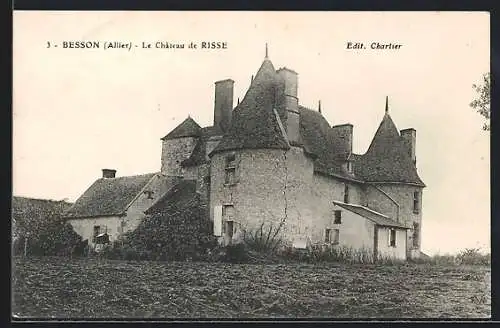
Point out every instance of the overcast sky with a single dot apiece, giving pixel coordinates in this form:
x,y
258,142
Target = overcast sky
x,y
77,111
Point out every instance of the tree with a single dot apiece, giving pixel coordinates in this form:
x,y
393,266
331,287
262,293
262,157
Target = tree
x,y
482,103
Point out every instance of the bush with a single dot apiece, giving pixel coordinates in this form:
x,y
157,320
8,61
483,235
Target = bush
x,y
473,256
172,234
54,238
468,256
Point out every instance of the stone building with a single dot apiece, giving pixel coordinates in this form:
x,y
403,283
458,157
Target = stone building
x,y
272,162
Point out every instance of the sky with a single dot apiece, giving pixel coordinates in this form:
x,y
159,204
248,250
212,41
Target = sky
x,y
77,111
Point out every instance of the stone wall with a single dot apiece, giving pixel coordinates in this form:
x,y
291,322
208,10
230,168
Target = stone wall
x,y
174,151
270,187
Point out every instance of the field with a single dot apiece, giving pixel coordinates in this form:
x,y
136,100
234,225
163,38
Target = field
x,y
93,288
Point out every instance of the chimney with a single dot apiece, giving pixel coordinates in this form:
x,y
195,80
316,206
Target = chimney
x,y
108,173
291,104
342,136
409,140
223,104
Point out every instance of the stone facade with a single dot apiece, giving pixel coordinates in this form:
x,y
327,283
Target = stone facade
x,y
271,162
174,151
116,225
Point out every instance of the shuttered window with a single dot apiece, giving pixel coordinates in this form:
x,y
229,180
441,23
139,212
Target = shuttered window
x,y
218,220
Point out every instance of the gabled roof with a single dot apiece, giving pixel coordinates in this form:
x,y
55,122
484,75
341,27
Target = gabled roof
x,y
375,217
176,197
387,159
254,122
188,128
108,196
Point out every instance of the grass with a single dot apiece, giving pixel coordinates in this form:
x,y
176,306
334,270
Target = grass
x,y
54,287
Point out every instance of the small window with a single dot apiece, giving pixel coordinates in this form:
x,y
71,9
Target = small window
x,y
338,217
149,194
392,238
349,167
229,229
230,177
416,202
346,194
230,174
416,236
328,235
336,236
228,211
230,160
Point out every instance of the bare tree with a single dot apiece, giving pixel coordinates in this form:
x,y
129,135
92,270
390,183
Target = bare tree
x,y
482,102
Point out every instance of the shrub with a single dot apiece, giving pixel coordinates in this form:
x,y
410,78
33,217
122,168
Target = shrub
x,y
264,239
473,256
54,238
468,256
177,233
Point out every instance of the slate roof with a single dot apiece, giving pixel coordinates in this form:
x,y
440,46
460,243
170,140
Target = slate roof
x,y
188,128
377,218
387,159
254,121
317,138
257,123
178,196
108,196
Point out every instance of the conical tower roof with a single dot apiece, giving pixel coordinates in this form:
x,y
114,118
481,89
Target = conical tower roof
x,y
188,128
255,123
387,159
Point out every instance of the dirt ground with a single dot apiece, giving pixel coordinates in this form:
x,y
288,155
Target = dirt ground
x,y
91,288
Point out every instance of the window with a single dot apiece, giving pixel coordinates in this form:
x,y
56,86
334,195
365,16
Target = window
x,y
231,160
336,233
346,194
349,167
416,202
416,236
230,170
392,237
229,229
338,217
230,176
228,211
328,235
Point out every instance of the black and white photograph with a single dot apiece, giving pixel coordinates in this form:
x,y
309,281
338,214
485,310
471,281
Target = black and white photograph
x,y
200,165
